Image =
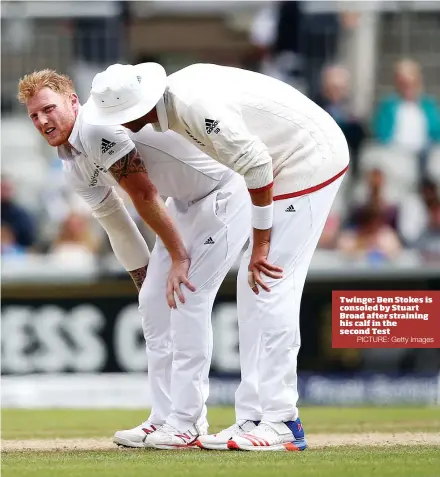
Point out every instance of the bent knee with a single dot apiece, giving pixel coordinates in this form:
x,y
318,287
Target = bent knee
x,y
152,299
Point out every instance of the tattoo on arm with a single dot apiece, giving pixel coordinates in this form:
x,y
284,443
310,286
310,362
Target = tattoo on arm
x,y
131,163
138,276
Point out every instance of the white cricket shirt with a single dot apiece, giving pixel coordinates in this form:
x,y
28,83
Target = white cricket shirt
x,y
175,166
245,120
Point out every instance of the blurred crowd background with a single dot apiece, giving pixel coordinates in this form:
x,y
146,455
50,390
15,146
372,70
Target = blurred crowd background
x,y
374,66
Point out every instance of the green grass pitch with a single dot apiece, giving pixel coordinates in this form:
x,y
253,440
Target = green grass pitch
x,y
368,428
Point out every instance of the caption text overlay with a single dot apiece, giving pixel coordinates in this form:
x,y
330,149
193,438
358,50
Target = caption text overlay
x,y
386,319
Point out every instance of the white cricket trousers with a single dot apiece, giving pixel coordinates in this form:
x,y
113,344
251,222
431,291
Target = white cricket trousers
x,y
269,331
179,341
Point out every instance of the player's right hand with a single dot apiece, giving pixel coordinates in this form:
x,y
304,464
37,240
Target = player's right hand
x,y
178,274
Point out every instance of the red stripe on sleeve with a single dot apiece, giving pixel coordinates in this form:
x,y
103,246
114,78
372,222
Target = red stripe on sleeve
x,y
262,189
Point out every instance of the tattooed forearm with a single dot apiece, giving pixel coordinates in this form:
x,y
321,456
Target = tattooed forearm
x,y
131,163
138,276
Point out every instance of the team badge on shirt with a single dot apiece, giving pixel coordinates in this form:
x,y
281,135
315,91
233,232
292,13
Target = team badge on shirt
x,y
211,125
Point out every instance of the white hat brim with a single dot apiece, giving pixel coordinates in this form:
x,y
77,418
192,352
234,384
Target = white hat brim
x,y
155,85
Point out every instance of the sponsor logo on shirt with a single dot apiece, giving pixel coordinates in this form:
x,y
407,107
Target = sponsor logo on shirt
x,y
94,177
211,125
194,139
106,146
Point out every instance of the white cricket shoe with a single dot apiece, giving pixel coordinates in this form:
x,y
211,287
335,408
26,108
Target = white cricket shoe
x,y
272,436
220,440
168,437
137,436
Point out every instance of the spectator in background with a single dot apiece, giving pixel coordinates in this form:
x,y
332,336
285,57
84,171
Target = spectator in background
x,y
76,245
9,245
371,239
375,182
408,118
335,99
19,221
413,213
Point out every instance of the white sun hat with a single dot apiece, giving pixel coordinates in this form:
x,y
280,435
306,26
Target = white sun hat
x,y
123,93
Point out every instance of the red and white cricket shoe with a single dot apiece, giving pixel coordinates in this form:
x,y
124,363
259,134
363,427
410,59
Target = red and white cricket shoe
x,y
168,437
272,436
137,436
220,440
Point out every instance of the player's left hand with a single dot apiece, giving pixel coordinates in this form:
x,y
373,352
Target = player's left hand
x,y
259,265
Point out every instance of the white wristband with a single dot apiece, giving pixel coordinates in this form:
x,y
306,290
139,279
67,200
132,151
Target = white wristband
x,y
262,217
